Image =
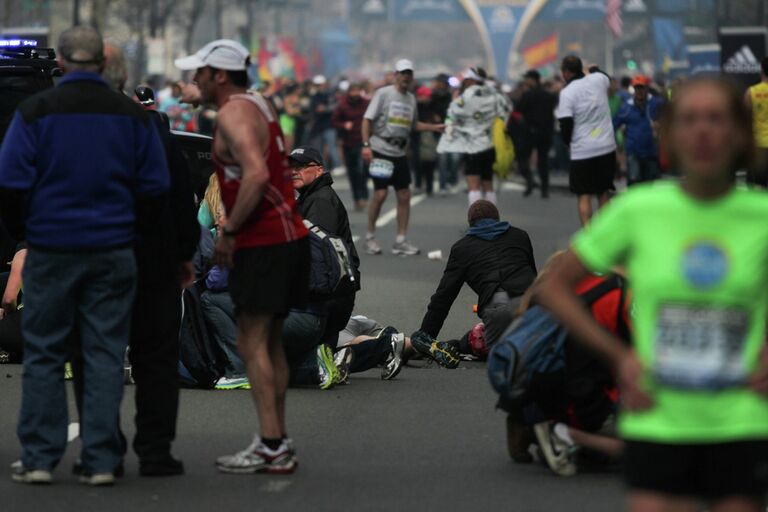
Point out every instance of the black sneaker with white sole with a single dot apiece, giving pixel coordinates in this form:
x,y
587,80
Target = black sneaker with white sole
x,y
444,354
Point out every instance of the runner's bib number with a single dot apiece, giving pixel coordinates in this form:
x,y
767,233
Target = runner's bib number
x,y
701,348
381,169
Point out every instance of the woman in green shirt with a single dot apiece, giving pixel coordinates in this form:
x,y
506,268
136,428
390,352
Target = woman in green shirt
x,y
694,384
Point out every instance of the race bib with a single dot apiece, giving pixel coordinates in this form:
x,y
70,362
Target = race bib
x,y
381,169
701,347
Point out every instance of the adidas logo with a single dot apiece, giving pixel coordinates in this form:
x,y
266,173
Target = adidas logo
x,y
742,62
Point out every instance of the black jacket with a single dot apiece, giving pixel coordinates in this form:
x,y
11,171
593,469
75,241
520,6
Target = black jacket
x,y
319,204
538,109
505,263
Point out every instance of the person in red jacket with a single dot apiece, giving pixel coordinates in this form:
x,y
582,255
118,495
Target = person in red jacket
x,y
348,119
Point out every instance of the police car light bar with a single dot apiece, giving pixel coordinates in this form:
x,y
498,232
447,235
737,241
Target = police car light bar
x,y
17,43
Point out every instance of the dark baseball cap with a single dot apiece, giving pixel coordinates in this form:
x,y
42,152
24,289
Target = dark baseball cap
x,y
533,74
305,155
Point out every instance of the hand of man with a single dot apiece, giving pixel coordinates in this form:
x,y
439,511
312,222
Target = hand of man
x,y
759,380
349,125
438,128
630,374
186,274
367,154
225,248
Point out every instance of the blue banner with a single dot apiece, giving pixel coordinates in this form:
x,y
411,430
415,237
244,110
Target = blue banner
x,y
681,6
704,59
498,22
572,10
670,41
435,11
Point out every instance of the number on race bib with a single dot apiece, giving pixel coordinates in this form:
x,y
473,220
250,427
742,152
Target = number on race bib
x,y
381,169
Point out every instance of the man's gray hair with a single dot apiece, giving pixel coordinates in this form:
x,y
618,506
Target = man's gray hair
x,y
82,48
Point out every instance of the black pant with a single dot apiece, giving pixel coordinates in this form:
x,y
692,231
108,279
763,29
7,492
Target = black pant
x,y
541,142
154,356
339,313
426,176
358,178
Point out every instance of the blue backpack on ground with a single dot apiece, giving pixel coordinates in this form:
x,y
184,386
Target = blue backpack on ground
x,y
535,346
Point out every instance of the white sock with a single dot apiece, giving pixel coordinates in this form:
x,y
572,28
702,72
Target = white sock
x,y
400,239
474,195
490,196
370,236
561,430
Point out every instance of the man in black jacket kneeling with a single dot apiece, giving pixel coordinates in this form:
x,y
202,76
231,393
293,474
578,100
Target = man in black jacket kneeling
x,y
496,261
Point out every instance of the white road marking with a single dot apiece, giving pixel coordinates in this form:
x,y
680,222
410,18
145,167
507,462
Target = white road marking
x,y
73,432
275,486
392,214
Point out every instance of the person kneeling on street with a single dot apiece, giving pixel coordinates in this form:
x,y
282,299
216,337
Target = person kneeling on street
x,y
496,260
319,204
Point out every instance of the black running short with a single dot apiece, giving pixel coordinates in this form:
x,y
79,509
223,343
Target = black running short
x,y
481,164
401,176
270,279
593,176
710,471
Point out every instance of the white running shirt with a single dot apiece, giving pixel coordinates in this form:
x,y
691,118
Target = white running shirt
x,y
586,101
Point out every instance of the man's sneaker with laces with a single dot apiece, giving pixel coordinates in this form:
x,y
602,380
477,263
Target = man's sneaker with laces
x,y
343,362
557,451
22,475
405,249
258,458
372,246
395,361
226,383
326,368
444,354
98,479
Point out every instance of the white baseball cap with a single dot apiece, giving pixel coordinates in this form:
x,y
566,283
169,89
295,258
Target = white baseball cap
x,y
220,54
319,80
403,65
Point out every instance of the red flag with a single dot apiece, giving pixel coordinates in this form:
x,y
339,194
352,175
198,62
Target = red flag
x,y
613,17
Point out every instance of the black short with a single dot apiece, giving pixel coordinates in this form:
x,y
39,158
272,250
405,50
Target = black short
x,y
481,164
401,176
710,471
270,279
593,176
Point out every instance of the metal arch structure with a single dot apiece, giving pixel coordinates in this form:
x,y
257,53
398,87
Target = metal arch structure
x,y
473,8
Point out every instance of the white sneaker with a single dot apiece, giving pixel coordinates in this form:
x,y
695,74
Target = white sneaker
x,y
258,458
557,452
22,475
372,246
343,360
405,249
98,479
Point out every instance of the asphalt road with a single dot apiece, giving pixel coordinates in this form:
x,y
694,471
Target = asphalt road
x,y
429,440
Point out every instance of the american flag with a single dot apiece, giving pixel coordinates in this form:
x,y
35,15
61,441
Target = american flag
x,y
613,17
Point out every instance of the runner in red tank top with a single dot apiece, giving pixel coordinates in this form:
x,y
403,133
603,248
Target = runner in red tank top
x,y
264,242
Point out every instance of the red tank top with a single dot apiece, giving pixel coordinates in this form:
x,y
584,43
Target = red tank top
x,y
275,220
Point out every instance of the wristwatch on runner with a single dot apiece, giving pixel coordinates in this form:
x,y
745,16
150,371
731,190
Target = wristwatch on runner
x,y
366,144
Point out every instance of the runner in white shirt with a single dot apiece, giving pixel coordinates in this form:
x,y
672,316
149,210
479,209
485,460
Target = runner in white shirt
x,y
585,124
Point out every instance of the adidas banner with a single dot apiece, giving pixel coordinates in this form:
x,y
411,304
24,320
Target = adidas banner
x,y
742,50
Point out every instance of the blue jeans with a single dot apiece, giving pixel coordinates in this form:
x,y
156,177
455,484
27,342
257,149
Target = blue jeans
x,y
302,334
219,311
326,141
91,294
642,169
449,169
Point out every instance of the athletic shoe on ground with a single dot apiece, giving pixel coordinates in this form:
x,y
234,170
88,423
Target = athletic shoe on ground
x,y
5,357
98,479
68,374
519,439
258,458
343,361
23,475
395,360
444,354
226,383
326,368
557,452
372,246
405,249
77,469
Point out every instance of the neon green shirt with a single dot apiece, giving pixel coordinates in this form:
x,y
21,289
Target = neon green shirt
x,y
699,274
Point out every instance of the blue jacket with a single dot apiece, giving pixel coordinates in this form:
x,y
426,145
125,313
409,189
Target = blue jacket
x,y
84,158
639,140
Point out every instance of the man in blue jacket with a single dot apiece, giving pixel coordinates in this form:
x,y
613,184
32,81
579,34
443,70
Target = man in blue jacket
x,y
82,173
638,116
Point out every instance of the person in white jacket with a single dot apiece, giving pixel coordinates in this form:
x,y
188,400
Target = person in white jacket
x,y
469,126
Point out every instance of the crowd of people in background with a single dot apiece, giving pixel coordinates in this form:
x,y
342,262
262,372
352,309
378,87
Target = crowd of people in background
x,y
270,219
